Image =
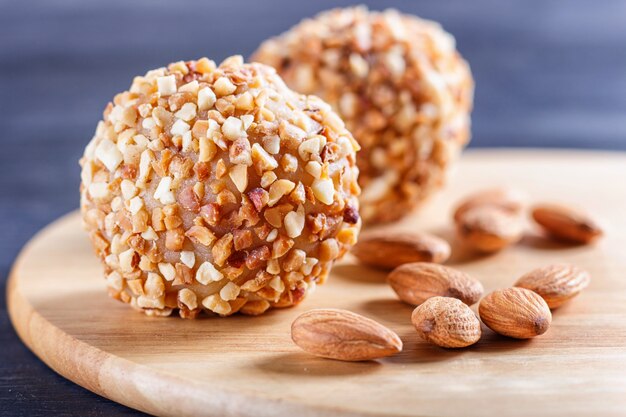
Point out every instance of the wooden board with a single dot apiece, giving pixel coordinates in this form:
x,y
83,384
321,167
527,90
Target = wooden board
x,y
243,366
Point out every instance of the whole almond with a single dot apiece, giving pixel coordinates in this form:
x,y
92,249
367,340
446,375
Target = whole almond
x,y
489,228
386,249
566,223
556,283
416,282
515,312
446,322
508,199
343,335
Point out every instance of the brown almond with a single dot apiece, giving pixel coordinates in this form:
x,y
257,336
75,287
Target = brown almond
x,y
387,249
566,223
515,312
416,282
489,228
508,199
556,283
446,322
343,335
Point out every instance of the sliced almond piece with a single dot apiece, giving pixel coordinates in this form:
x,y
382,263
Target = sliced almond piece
x,y
416,282
343,335
566,223
489,228
556,283
446,322
390,249
515,312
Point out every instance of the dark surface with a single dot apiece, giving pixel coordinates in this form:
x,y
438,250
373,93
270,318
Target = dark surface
x,y
548,73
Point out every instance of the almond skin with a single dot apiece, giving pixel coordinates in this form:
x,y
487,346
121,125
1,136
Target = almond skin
x,y
566,223
343,335
446,322
556,283
508,199
489,229
416,282
515,312
386,249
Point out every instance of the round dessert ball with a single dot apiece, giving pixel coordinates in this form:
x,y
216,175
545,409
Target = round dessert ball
x,y
218,189
400,85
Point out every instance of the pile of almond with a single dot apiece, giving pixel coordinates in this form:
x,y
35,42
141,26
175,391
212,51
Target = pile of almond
x,y
486,221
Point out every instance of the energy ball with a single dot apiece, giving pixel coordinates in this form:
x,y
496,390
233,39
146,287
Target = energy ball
x,y
218,189
400,85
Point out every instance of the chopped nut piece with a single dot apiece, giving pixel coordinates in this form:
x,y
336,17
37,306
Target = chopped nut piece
x,y
216,304
294,260
179,127
272,144
278,189
201,235
188,258
294,222
329,249
222,249
262,160
230,291
188,298
166,85
232,129
281,246
239,175
108,154
259,281
154,286
187,112
257,257
240,153
255,307
163,192
289,163
167,270
242,239
207,273
259,198
224,87
268,179
324,190
206,98
174,239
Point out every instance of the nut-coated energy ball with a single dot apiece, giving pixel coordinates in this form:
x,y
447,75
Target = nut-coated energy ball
x,y
402,88
218,189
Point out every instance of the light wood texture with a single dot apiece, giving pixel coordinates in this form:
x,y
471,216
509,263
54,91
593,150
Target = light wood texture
x,y
249,366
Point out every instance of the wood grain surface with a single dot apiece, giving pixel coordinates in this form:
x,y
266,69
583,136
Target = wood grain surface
x,y
248,366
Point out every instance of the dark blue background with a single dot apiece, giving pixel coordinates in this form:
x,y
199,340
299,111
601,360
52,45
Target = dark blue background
x,y
548,74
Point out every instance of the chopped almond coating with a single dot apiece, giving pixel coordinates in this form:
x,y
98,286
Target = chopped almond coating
x,y
401,87
199,191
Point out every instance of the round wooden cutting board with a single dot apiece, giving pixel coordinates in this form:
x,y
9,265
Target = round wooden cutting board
x,y
247,366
